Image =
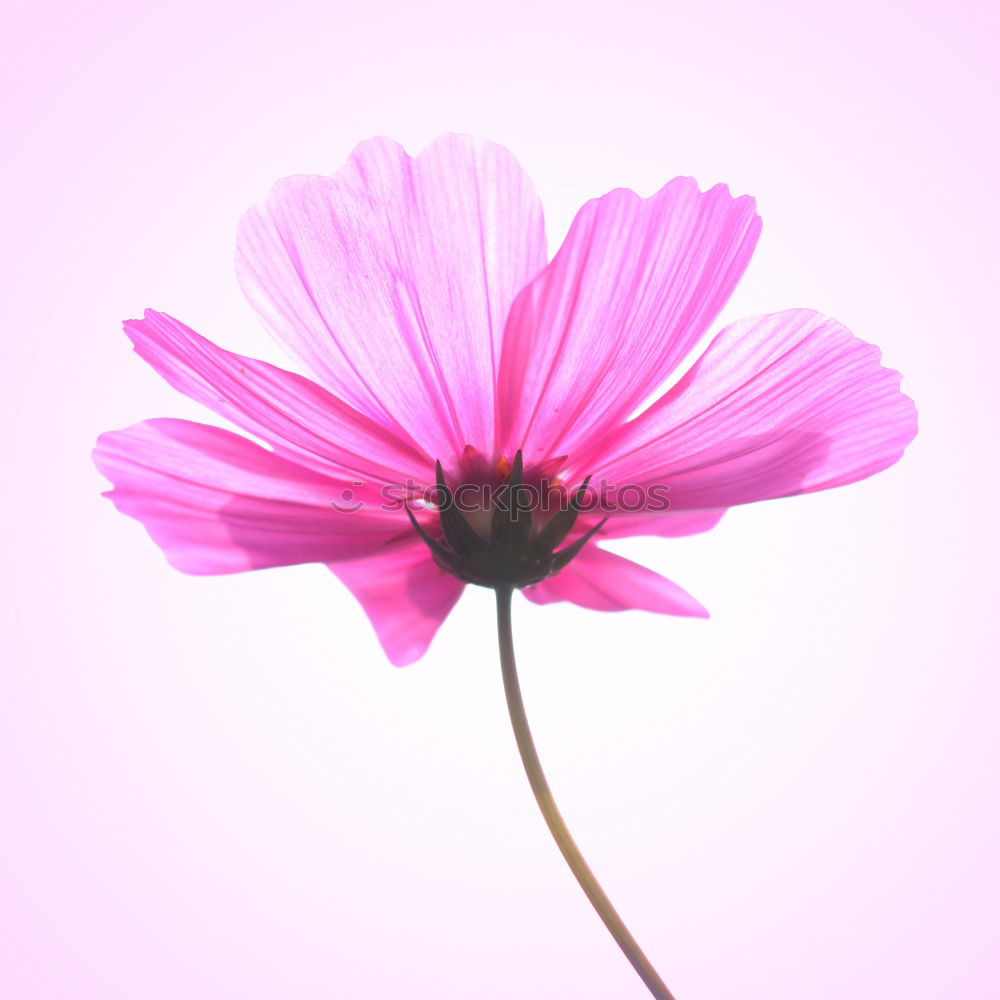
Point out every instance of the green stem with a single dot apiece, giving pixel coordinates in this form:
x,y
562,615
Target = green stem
x,y
556,824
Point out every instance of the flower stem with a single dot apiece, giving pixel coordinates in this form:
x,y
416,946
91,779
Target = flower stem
x,y
556,824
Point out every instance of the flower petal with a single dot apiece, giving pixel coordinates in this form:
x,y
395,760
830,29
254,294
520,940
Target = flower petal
x,y
404,594
603,581
218,503
668,524
777,405
391,280
299,418
635,285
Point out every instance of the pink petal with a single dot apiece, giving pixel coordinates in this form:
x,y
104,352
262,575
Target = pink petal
x,y
404,594
603,581
777,405
635,285
218,503
669,524
299,418
391,280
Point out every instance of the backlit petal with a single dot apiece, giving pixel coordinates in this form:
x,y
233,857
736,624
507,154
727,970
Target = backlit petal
x,y
296,416
777,405
392,279
404,594
635,285
603,581
218,503
666,524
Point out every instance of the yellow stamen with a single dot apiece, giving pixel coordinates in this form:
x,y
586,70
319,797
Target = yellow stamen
x,y
503,467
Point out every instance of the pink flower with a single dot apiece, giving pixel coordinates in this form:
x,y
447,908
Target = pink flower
x,y
418,295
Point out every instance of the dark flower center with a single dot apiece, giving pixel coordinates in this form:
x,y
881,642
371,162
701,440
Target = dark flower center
x,y
502,526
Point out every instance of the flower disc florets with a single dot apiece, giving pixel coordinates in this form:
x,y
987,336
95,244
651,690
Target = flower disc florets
x,y
503,529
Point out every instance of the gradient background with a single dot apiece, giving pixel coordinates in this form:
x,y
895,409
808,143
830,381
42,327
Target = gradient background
x,y
220,788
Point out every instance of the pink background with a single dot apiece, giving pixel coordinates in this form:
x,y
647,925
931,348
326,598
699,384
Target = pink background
x,y
219,787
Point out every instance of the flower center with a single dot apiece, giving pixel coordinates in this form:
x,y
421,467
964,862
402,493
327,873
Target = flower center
x,y
502,525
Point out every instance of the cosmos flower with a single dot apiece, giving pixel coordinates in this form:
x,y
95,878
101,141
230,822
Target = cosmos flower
x,y
418,296
478,414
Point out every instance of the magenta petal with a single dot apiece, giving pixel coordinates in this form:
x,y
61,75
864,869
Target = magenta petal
x,y
635,285
404,594
777,405
218,503
603,581
296,416
669,524
391,280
